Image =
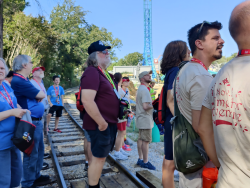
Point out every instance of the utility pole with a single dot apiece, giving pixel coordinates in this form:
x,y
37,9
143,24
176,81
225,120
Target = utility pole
x,y
1,28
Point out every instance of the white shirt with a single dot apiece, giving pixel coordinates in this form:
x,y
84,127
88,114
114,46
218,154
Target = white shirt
x,y
229,99
41,88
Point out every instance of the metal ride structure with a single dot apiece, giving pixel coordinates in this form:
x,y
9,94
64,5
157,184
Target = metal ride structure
x,y
148,45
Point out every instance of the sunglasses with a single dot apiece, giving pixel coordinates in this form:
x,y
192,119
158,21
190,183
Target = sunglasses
x,y
199,32
125,80
105,52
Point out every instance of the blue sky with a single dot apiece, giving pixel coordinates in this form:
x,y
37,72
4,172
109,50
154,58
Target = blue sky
x,y
171,20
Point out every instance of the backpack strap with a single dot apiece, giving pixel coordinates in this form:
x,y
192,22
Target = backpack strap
x,y
176,108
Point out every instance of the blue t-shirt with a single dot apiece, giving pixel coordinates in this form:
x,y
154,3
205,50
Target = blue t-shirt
x,y
51,92
26,94
7,126
168,85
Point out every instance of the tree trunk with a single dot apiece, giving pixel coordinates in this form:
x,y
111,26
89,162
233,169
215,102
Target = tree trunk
x,y
1,28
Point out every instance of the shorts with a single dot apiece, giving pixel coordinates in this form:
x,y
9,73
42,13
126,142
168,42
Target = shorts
x,y
57,109
86,135
122,126
168,141
145,135
102,142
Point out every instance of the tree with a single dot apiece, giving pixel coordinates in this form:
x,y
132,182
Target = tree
x,y
131,59
75,36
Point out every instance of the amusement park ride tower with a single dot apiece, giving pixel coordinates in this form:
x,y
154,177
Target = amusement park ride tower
x,y
148,45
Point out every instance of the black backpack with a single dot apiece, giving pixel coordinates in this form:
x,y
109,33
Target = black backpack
x,y
23,137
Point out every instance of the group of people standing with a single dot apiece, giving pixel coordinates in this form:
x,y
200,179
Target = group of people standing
x,y
20,95
216,108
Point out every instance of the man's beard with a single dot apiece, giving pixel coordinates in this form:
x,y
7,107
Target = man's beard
x,y
148,81
105,62
220,55
217,56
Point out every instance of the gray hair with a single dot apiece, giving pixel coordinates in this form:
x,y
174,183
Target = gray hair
x,y
19,61
5,66
92,60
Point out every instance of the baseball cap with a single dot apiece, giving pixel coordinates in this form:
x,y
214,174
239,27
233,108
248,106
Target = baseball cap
x,y
36,68
97,46
143,74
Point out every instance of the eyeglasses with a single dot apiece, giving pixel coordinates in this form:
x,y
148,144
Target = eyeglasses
x,y
199,32
105,52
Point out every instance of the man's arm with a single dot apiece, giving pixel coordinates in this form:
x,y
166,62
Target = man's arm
x,y
40,95
195,119
50,103
91,108
170,101
205,130
147,106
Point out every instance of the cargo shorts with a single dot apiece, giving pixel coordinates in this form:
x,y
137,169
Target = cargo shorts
x,y
145,135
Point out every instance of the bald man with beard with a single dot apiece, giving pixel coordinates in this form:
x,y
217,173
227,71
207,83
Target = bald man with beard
x,y
224,125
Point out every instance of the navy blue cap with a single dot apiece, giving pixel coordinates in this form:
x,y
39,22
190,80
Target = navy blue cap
x,y
97,46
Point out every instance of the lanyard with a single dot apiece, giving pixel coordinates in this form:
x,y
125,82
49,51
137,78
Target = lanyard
x,y
243,52
56,90
39,85
21,76
7,99
198,61
147,87
108,77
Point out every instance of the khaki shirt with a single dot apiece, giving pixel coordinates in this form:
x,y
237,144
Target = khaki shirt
x,y
144,119
228,98
191,87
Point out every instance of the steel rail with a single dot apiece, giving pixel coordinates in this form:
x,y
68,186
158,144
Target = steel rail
x,y
130,175
59,175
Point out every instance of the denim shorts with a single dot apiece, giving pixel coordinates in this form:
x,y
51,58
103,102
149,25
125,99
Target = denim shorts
x,y
102,142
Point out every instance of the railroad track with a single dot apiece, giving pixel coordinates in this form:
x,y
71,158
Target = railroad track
x,y
68,159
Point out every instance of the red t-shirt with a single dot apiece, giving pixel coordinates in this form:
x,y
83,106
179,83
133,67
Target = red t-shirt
x,y
106,99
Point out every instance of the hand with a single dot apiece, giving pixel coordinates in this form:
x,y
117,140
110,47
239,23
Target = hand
x,y
103,127
50,104
29,111
18,112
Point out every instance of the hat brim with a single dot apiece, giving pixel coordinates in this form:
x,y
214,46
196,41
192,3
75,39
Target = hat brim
x,y
105,47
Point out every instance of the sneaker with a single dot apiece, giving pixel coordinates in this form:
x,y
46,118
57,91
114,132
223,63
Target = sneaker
x,y
126,148
124,152
45,166
139,162
57,130
148,165
46,155
128,143
118,155
86,166
42,180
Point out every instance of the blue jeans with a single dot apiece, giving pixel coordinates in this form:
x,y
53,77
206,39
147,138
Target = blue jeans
x,y
33,164
11,167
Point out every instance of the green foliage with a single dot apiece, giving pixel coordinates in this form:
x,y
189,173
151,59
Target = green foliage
x,y
131,59
60,46
220,62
